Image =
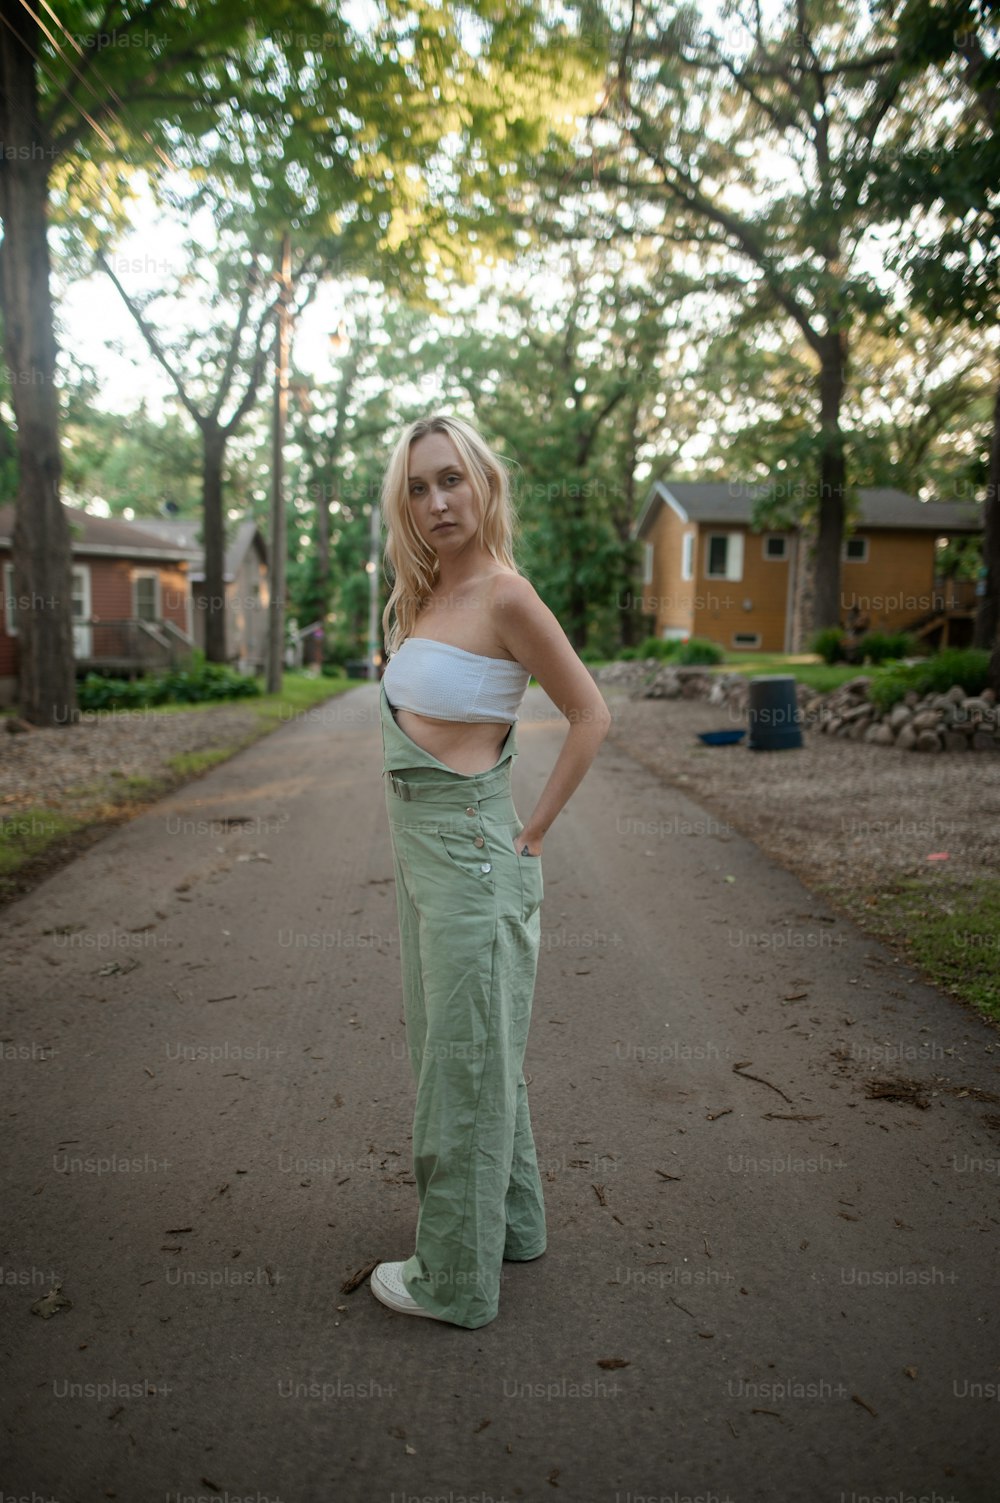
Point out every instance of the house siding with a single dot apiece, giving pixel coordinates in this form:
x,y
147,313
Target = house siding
x,y
896,585
668,598
720,611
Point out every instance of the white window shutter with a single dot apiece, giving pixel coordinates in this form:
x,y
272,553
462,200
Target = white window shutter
x,y
734,556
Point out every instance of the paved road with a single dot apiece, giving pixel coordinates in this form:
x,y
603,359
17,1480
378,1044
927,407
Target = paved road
x,y
207,1139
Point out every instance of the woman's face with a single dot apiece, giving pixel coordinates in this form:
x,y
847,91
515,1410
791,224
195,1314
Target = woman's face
x,y
441,493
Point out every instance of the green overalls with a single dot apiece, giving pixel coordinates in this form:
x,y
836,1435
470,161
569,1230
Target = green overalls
x,y
469,926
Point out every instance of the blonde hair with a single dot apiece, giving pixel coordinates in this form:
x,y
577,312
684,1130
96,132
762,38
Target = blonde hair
x,y
413,564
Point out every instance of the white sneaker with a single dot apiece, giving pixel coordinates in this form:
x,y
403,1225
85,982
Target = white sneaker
x,y
388,1287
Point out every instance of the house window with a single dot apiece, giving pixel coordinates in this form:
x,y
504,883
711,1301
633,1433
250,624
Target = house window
x,y
9,607
775,546
647,565
725,555
146,596
746,639
855,551
687,556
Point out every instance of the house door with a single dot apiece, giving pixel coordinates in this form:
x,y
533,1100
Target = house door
x,y
81,611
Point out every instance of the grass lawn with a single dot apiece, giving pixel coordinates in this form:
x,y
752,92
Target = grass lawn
x,y
950,930
35,841
805,666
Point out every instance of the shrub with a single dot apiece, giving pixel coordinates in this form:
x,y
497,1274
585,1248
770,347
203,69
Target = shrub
x,y
657,647
968,667
878,646
628,655
700,650
195,685
829,645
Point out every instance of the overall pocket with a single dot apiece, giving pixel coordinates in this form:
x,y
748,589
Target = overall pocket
x,y
532,884
473,861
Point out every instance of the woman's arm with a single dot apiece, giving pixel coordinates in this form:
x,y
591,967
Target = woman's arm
x,y
529,631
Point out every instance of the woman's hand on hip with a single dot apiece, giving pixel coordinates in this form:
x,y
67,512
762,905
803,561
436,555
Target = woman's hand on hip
x,y
526,844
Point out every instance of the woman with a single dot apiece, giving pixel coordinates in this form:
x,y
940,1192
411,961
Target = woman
x,y
468,633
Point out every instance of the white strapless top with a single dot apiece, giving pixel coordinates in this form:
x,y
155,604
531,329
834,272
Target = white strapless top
x,y
447,683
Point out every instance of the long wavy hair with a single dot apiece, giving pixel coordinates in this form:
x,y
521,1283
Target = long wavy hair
x,y
411,565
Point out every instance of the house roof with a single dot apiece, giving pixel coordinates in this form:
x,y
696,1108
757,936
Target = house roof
x,y
187,530
880,506
110,537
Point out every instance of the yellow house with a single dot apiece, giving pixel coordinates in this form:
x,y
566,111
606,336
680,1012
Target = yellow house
x,y
706,573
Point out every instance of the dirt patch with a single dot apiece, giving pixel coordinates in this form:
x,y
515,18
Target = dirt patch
x,y
843,813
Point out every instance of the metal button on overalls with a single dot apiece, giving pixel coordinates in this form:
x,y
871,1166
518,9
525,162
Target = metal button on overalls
x,y
469,940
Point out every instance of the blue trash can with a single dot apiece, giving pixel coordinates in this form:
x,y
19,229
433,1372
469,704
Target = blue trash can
x,y
773,713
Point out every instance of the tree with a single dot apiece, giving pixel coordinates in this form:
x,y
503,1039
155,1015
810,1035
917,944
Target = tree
x,y
759,146
945,184
286,105
234,348
578,394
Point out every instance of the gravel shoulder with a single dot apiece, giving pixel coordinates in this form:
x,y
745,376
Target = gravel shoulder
x,y
855,821
63,789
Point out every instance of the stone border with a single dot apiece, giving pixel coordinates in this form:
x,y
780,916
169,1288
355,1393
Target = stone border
x,y
953,721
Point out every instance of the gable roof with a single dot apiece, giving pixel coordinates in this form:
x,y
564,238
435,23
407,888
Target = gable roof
x,y
879,506
109,537
245,534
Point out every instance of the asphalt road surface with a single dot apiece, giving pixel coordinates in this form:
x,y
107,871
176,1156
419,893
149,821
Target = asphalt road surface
x,y
762,1282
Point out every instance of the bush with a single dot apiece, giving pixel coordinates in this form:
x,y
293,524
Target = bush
x,y
627,655
878,646
195,685
968,667
829,644
657,647
700,650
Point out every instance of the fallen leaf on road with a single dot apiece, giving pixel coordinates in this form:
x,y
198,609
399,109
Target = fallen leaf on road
x,y
857,1399
614,1362
50,1303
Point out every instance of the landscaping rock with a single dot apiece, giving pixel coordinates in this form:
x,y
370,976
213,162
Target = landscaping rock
x,y
927,741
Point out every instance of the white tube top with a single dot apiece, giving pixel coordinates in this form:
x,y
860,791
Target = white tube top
x,y
447,683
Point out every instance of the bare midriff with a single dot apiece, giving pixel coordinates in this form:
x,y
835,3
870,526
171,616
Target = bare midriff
x,y
464,746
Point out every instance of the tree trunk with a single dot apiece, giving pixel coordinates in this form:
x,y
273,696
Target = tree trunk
x,y
215,544
987,631
327,494
41,543
830,522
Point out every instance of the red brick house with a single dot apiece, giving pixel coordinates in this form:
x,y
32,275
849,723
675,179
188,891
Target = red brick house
x,y
132,607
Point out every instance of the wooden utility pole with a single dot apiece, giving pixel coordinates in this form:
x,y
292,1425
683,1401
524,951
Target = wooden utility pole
x,y
276,603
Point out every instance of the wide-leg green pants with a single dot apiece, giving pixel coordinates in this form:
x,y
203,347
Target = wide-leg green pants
x,y
469,924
